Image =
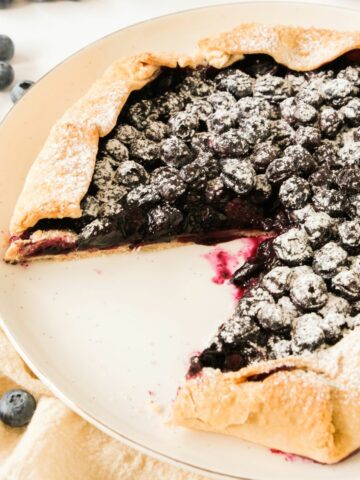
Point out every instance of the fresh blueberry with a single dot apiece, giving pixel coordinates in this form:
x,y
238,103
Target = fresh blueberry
x,y
20,89
6,75
17,408
5,3
7,48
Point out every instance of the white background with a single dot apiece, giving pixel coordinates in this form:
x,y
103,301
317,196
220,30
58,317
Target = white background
x,y
46,33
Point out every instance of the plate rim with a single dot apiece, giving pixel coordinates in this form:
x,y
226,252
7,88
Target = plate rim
x,y
82,412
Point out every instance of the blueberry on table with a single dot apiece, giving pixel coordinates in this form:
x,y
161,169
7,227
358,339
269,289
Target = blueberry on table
x,y
20,89
17,408
7,48
6,75
5,3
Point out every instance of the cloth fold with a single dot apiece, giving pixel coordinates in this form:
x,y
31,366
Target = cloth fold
x,y
60,445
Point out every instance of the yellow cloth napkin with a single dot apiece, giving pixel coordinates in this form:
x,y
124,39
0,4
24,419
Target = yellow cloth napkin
x,y
59,445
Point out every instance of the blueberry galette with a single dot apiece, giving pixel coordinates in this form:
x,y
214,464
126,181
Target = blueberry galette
x,y
258,132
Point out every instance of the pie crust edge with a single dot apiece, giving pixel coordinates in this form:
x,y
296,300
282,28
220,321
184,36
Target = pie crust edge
x,y
308,406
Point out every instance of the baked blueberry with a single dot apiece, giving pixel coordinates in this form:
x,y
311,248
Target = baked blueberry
x,y
238,175
90,207
294,192
200,142
131,174
288,307
297,112
100,233
195,84
109,199
280,169
309,292
184,124
307,333
223,100
214,190
329,201
200,107
309,93
209,163
239,330
348,179
304,162
354,202
332,325
293,247
271,88
262,189
337,91
249,305
145,151
168,104
263,155
116,149
140,113
349,233
250,106
248,270
283,135
326,153
156,131
163,220
103,173
220,121
351,111
230,143
299,216
349,155
175,152
143,195
272,317
335,304
236,82
277,281
126,133
351,73
279,348
17,408
323,177
194,175
204,218
255,130
347,284
329,259
319,227
330,122
308,137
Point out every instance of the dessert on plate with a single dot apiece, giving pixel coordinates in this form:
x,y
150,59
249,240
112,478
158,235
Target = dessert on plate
x,y
258,132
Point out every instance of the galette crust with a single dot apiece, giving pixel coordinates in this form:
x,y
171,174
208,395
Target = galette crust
x,y
61,174
309,406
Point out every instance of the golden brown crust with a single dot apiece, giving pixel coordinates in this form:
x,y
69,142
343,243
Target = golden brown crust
x,y
307,406
298,48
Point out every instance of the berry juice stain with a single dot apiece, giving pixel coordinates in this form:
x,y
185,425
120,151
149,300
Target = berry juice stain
x,y
224,263
291,457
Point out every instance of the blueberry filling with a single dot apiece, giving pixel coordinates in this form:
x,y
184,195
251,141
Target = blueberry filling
x,y
201,154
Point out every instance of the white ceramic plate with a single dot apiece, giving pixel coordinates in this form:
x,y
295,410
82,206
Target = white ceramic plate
x,y
109,335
